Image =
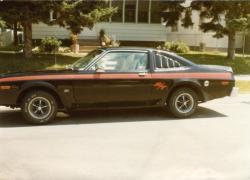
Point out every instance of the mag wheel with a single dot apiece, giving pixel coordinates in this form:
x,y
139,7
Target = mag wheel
x,y
183,103
39,107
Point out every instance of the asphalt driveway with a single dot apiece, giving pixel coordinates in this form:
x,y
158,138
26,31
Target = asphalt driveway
x,y
130,145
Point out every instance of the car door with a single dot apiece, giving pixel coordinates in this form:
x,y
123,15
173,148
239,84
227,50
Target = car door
x,y
119,78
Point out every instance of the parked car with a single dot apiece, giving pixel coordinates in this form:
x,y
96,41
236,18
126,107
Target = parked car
x,y
117,78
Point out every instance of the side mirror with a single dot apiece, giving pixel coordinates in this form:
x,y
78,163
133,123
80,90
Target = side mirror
x,y
69,67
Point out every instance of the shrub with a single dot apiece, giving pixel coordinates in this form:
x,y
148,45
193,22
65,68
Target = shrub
x,y
50,44
64,50
178,47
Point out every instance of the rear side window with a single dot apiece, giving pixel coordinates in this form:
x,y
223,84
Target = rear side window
x,y
163,61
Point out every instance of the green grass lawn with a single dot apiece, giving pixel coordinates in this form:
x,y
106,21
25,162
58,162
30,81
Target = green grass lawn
x,y
10,62
241,65
11,48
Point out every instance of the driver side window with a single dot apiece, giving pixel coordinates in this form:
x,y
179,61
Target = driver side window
x,y
123,62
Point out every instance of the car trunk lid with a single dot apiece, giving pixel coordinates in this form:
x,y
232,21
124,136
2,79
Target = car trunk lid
x,y
217,67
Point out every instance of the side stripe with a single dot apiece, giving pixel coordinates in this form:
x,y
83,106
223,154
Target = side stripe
x,y
219,76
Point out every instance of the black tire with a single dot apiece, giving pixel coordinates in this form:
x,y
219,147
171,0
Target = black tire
x,y
183,107
39,107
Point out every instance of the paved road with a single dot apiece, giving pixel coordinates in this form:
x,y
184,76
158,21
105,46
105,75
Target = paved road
x,y
130,145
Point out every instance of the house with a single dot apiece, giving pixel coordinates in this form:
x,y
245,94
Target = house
x,y
6,38
138,22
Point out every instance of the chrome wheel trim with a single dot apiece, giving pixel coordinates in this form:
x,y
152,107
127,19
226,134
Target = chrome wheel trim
x,y
39,108
184,103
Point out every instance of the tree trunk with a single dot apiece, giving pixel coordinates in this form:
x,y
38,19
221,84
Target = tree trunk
x,y
231,45
15,34
75,44
27,26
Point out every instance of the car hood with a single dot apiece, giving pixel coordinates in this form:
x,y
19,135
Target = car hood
x,y
32,73
216,68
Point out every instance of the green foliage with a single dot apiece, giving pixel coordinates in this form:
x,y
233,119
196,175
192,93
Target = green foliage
x,y
74,15
172,12
224,18
178,47
50,44
239,24
29,10
77,14
2,23
235,13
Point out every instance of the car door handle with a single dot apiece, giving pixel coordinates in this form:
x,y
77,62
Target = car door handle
x,y
142,74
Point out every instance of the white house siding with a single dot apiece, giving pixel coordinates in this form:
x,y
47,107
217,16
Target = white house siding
x,y
194,39
118,31
192,36
41,30
134,32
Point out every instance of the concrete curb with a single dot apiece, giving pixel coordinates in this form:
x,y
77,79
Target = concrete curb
x,y
242,77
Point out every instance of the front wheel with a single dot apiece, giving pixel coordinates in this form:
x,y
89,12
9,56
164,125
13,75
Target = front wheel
x,y
183,102
39,107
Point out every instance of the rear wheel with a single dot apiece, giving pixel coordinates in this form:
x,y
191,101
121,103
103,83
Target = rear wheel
x,y
39,107
183,102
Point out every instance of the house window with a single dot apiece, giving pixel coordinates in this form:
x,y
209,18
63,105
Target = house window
x,y
117,17
156,8
138,11
143,11
130,11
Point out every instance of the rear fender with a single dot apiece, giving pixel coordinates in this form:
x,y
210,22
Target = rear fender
x,y
193,84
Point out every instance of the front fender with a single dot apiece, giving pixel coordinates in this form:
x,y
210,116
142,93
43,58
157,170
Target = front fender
x,y
28,85
64,99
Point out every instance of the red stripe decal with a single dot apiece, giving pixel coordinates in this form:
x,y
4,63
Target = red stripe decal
x,y
220,76
225,76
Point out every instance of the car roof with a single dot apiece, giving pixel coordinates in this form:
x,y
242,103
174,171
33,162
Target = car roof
x,y
129,48
133,48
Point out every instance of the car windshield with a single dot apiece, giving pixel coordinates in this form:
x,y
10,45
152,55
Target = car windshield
x,y
84,61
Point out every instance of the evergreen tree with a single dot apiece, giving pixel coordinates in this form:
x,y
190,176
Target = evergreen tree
x,y
2,23
225,18
74,15
174,11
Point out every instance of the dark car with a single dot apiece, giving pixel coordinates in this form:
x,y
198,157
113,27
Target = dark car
x,y
117,78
